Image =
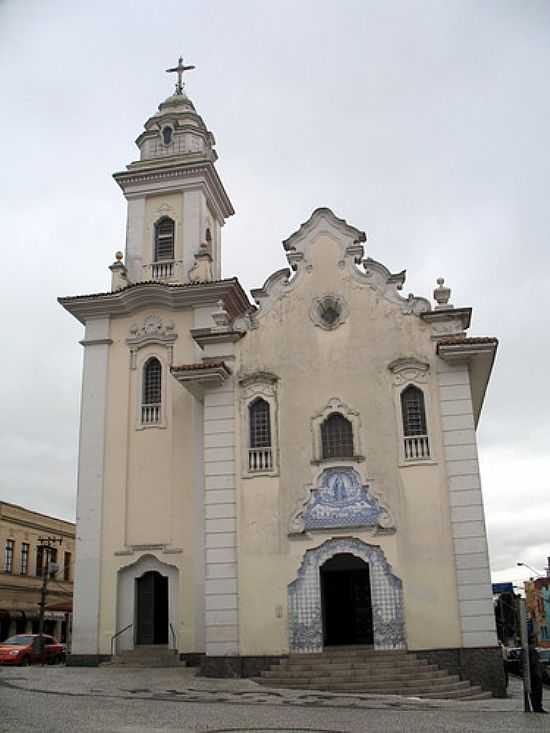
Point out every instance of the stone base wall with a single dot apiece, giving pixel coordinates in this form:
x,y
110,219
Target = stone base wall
x,y
236,666
481,666
86,660
192,659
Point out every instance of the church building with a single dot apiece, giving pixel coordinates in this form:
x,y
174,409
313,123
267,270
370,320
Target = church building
x,y
274,475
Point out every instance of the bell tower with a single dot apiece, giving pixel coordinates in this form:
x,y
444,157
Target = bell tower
x,y
177,204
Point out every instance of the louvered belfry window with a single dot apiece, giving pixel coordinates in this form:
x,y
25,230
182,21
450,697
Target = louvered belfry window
x,y
413,411
164,239
260,425
337,437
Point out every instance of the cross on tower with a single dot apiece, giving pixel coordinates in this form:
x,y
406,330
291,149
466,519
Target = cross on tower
x,y
179,69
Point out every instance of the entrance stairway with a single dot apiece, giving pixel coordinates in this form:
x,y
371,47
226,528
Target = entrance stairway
x,y
359,669
148,656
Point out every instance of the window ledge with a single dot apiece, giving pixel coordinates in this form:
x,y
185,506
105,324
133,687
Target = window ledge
x,y
419,462
337,460
151,425
260,474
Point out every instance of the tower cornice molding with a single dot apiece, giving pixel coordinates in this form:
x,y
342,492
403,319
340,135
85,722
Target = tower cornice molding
x,y
140,176
154,294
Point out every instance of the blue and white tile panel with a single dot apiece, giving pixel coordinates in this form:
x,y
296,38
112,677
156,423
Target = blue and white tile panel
x,y
466,507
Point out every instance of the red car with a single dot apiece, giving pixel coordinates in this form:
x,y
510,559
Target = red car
x,y
24,649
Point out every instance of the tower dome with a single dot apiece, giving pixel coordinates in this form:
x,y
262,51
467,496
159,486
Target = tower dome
x,y
176,129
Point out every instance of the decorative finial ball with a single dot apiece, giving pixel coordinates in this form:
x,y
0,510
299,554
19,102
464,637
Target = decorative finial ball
x,y
119,255
440,280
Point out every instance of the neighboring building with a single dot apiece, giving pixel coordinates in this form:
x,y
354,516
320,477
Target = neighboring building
x,y
255,480
537,594
21,572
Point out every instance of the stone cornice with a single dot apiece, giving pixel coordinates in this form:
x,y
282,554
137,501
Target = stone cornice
x,y
203,336
139,174
457,349
198,377
151,294
464,315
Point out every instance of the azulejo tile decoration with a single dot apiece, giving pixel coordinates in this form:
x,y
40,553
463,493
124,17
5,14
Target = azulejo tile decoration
x,y
340,500
304,597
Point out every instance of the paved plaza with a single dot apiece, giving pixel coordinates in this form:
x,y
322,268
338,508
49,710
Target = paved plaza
x,y
125,700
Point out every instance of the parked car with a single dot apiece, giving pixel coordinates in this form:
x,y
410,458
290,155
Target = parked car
x,y
24,649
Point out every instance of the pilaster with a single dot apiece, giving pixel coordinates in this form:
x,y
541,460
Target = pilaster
x,y
134,238
193,218
96,344
220,502
466,504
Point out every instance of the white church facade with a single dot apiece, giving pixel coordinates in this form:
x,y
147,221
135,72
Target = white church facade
x,y
276,475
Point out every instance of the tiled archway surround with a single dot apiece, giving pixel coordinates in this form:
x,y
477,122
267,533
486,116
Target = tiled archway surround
x,y
304,597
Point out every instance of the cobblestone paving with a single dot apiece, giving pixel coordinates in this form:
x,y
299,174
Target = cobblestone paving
x,y
126,700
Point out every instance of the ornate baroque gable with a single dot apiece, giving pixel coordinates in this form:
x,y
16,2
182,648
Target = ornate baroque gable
x,y
364,272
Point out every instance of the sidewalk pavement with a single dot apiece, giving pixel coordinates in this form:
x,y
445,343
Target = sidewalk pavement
x,y
182,684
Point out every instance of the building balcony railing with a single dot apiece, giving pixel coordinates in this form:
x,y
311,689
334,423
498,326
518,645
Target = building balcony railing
x,y
416,447
163,269
150,414
260,460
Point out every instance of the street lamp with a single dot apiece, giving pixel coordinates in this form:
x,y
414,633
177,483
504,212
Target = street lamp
x,y
526,565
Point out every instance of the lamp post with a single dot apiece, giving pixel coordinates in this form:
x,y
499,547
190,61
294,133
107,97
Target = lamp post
x,y
526,565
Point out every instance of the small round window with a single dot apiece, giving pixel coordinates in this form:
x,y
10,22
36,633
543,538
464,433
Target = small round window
x,y
329,311
167,135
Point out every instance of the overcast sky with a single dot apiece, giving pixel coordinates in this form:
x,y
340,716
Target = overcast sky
x,y
424,123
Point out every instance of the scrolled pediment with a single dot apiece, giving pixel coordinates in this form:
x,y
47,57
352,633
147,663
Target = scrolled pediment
x,y
409,369
153,330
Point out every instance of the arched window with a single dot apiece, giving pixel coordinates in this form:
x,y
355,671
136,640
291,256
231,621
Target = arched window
x,y
164,239
151,392
413,411
260,425
260,456
167,135
337,437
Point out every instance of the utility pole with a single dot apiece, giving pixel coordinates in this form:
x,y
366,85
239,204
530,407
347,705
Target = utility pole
x,y
46,544
525,656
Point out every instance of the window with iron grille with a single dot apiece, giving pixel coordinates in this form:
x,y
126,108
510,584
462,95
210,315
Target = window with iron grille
x,y
152,382
8,556
25,558
413,411
337,437
260,426
164,239
67,566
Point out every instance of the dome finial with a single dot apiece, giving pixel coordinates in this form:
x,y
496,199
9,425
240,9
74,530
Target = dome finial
x,y
179,69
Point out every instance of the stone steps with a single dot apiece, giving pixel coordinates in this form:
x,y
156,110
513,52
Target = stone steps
x,y
363,670
353,673
148,657
366,667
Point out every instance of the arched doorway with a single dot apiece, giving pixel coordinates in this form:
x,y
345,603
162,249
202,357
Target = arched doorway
x,y
305,618
346,601
152,608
